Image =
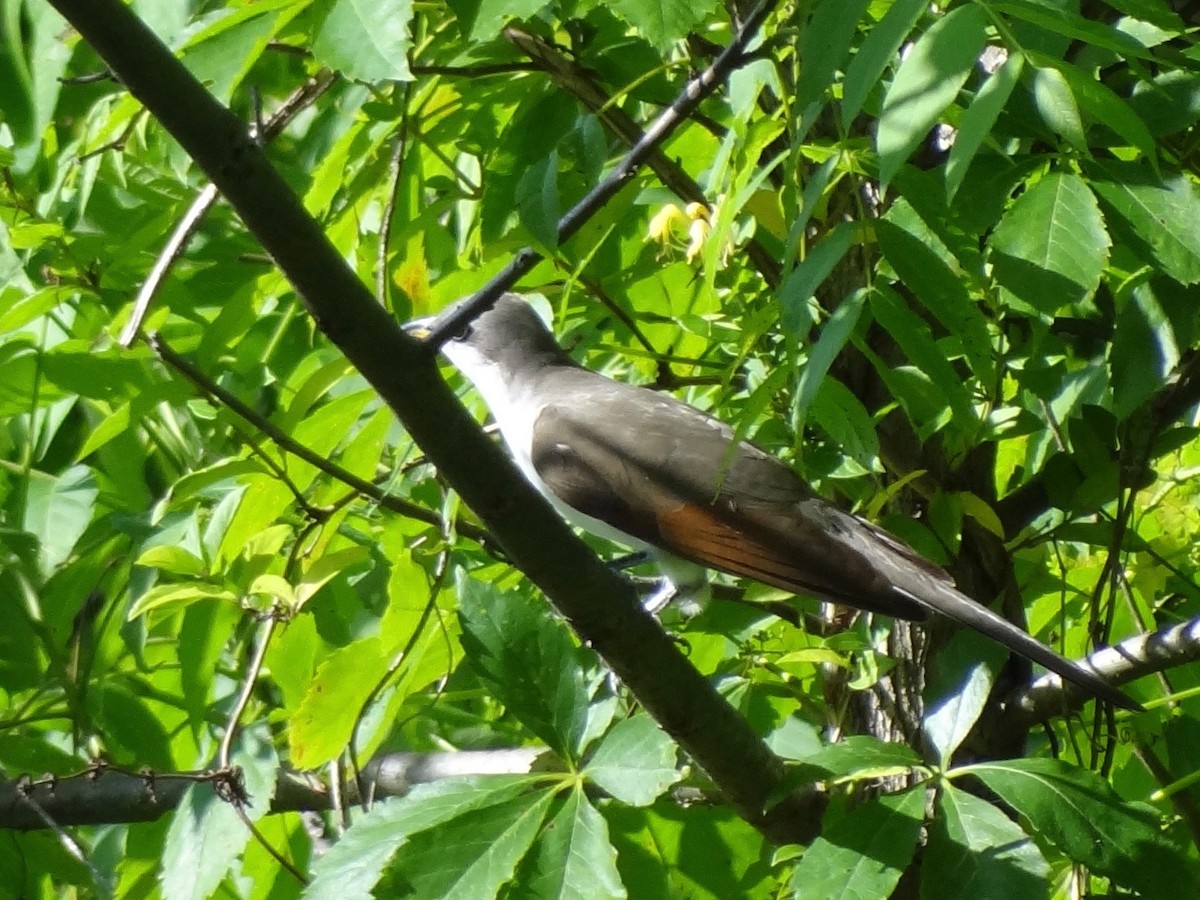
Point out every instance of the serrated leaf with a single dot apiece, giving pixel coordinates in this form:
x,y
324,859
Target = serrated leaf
x,y
1057,105
926,83
527,659
634,762
1148,210
1104,107
573,857
325,719
1080,813
862,853
537,200
1068,23
926,267
662,22
842,416
355,863
1050,248
877,52
975,852
366,39
475,854
861,752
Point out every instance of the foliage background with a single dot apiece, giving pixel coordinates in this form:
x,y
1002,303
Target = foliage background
x,y
991,349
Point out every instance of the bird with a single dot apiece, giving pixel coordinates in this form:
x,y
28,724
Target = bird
x,y
647,471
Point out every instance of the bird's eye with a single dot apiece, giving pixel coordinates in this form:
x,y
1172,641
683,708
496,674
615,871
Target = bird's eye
x,y
464,333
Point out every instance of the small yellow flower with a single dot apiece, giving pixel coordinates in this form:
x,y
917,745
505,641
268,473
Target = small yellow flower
x,y
696,211
662,226
698,233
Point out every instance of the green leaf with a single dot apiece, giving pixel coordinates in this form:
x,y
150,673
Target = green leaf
x,y
537,200
977,121
704,852
1147,210
635,761
1069,24
911,334
527,659
1056,103
366,39
328,567
573,857
475,854
948,722
859,752
802,282
16,310
862,852
842,416
824,43
1080,813
58,510
926,83
177,596
662,22
927,268
877,52
173,559
1050,248
481,20
323,723
1103,106
834,335
975,852
355,863
1144,350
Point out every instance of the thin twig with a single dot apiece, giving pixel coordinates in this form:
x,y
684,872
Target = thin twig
x,y
248,682
266,845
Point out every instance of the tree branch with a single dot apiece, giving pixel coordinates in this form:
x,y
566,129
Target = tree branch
x,y
103,795
1145,654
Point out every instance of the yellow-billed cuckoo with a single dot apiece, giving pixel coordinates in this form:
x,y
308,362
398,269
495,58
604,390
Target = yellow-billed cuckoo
x,y
649,472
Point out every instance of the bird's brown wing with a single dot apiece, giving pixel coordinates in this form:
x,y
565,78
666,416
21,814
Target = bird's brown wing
x,y
677,479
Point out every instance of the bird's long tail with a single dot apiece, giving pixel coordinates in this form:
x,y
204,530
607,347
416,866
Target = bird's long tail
x,y
949,602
